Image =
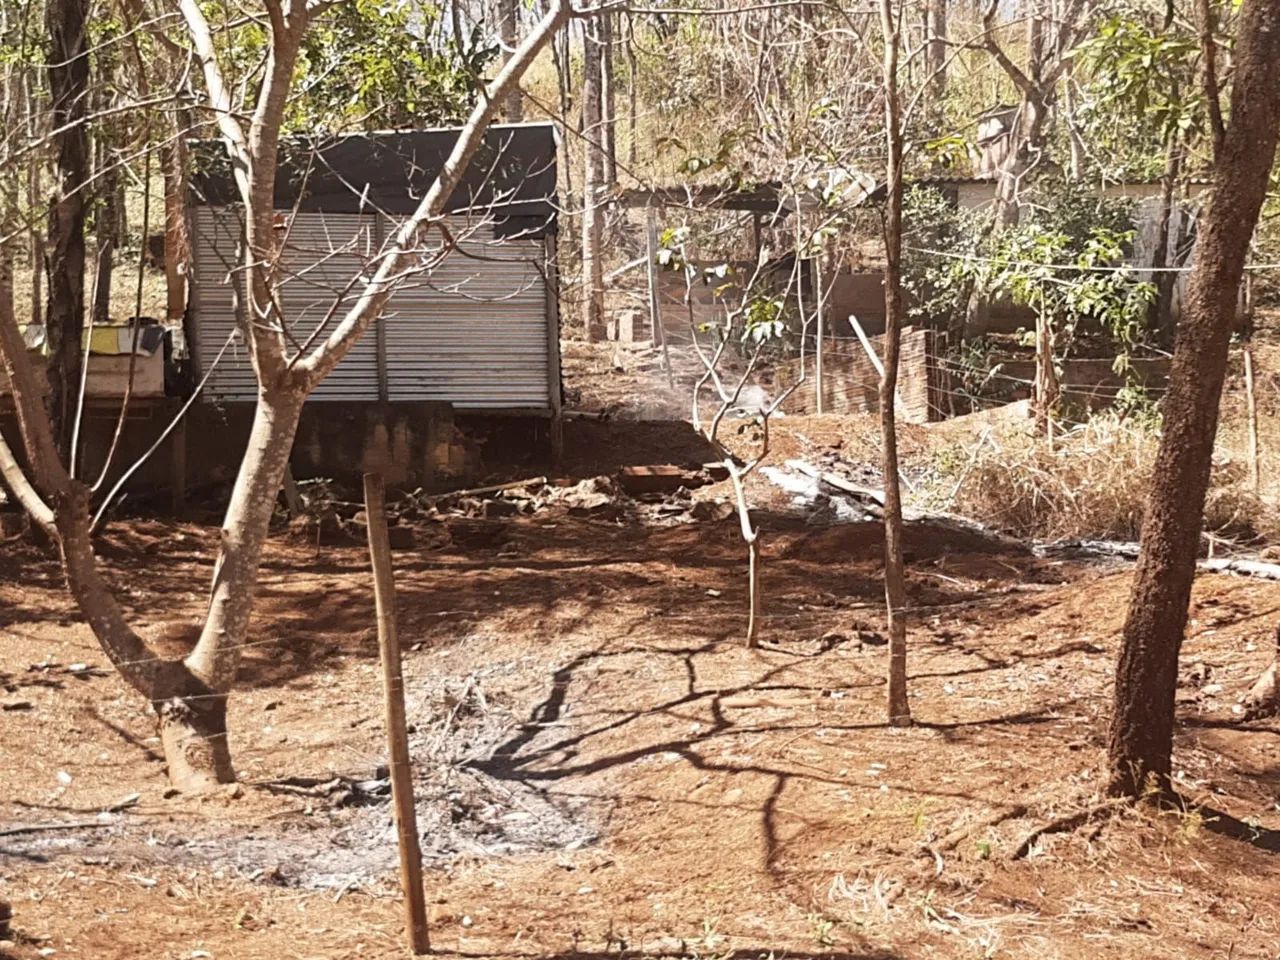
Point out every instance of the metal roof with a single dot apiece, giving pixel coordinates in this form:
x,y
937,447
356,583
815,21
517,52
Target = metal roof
x,y
512,175
768,197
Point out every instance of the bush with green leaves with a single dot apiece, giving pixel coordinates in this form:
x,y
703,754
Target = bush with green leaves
x,y
1072,281
1067,259
938,236
755,319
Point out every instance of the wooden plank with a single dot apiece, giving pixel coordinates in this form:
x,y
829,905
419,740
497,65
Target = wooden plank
x,y
866,344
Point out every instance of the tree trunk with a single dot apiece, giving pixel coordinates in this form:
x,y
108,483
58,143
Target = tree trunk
x,y
191,717
177,244
217,653
1141,740
193,736
107,236
562,54
592,188
1046,386
107,185
895,589
37,246
633,92
935,30
1026,148
513,102
1075,140
608,102
65,22
455,21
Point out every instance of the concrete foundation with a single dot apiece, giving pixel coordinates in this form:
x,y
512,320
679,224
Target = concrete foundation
x,y
418,444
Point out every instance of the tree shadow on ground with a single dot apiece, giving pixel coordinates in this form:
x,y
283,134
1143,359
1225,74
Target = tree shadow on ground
x,y
540,570
538,753
1225,825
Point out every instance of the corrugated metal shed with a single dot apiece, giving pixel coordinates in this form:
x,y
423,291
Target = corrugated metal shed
x,y
475,328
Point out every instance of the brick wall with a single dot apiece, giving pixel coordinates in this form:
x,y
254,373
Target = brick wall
x,y
850,384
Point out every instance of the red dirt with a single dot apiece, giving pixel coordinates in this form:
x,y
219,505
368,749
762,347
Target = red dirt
x,y
745,802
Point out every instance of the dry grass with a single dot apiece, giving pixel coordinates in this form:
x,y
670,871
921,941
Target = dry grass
x,y
1091,483
124,291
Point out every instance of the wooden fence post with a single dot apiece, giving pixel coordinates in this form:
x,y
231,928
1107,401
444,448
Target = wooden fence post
x,y
1255,480
384,592
817,352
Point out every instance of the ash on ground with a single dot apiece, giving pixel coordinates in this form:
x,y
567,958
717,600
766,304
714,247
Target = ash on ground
x,y
344,837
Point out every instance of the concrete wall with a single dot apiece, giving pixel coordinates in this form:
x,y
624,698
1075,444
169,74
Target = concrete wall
x,y
413,444
858,293
1090,384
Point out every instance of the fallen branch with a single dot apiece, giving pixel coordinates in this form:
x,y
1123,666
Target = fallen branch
x,y
954,520
48,827
953,839
779,703
1126,550
1250,568
481,491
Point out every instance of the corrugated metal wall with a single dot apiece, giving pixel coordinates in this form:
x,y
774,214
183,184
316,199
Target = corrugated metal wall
x,y
471,331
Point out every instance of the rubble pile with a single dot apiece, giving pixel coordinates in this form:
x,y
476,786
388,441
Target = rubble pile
x,y
655,495
658,495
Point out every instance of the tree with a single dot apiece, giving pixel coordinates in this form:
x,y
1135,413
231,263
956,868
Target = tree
x,y
1053,28
593,186
608,99
1141,93
108,189
935,60
1141,737
508,26
1067,273
895,588
190,694
382,65
66,22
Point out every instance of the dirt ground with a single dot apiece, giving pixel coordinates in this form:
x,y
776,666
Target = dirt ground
x,y
604,768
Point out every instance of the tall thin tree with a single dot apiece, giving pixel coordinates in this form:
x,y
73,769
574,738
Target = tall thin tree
x,y
66,22
895,591
935,62
513,102
592,184
608,99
